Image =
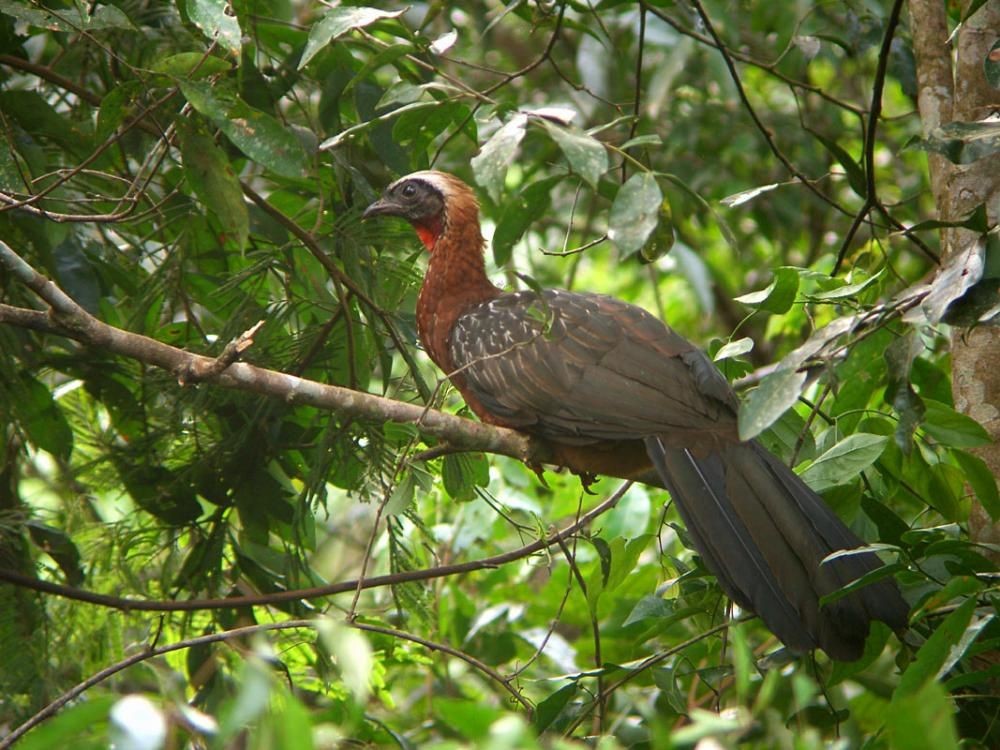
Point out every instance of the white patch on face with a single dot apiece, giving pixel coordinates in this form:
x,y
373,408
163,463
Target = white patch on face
x,y
438,180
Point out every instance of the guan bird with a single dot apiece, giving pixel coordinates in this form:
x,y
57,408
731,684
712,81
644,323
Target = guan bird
x,y
615,391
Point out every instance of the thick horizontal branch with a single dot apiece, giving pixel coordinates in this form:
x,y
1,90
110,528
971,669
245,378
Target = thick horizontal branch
x,y
67,318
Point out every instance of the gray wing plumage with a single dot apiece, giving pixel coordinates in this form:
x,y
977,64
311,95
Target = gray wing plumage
x,y
578,367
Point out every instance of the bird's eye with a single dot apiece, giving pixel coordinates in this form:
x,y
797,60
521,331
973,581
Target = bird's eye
x,y
408,190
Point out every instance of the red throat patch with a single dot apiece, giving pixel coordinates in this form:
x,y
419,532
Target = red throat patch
x,y
427,235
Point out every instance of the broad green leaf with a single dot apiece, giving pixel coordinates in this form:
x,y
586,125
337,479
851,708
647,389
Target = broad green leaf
x,y
855,172
462,473
214,182
778,296
936,651
982,481
847,290
490,164
256,134
71,19
548,710
215,23
193,65
339,21
67,728
586,155
519,213
649,607
116,106
635,212
41,418
843,462
953,428
923,720
735,348
765,404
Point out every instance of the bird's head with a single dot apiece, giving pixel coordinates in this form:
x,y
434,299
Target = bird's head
x,y
431,201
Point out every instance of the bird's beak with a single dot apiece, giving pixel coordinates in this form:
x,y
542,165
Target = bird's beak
x,y
381,207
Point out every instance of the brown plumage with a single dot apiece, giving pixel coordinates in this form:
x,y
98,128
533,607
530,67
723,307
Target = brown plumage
x,y
617,392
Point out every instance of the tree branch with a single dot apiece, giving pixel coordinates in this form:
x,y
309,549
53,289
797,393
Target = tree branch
x,y
67,318
407,576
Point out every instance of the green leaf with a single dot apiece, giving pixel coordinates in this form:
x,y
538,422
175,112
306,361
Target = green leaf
x,y
923,720
736,348
210,16
59,546
635,212
649,607
843,462
10,175
71,725
462,473
520,213
586,155
953,428
765,404
256,134
41,418
118,104
490,165
936,651
855,172
991,65
778,296
745,196
214,182
963,142
548,710
339,21
193,65
982,481
846,291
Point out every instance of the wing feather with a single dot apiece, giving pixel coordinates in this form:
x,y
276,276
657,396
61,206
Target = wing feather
x,y
587,365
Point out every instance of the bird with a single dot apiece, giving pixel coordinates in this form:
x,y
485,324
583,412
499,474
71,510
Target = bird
x,y
615,391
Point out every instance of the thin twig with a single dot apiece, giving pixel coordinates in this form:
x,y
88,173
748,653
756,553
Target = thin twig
x,y
126,604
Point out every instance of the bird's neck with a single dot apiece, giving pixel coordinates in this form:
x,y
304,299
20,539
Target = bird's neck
x,y
455,281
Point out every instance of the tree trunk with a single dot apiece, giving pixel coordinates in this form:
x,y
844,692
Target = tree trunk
x,y
962,94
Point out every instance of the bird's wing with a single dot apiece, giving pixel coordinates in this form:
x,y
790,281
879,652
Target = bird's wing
x,y
579,367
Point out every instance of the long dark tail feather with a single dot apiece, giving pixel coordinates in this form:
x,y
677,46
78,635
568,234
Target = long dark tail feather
x,y
764,534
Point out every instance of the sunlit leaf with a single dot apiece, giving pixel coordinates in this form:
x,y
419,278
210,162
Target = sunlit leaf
x,y
735,348
635,212
586,155
745,196
845,461
211,17
256,134
953,428
490,164
762,407
778,296
339,21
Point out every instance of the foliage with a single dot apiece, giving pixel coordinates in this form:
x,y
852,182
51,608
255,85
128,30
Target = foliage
x,y
186,170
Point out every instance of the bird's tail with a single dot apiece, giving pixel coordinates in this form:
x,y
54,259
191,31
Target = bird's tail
x,y
764,534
